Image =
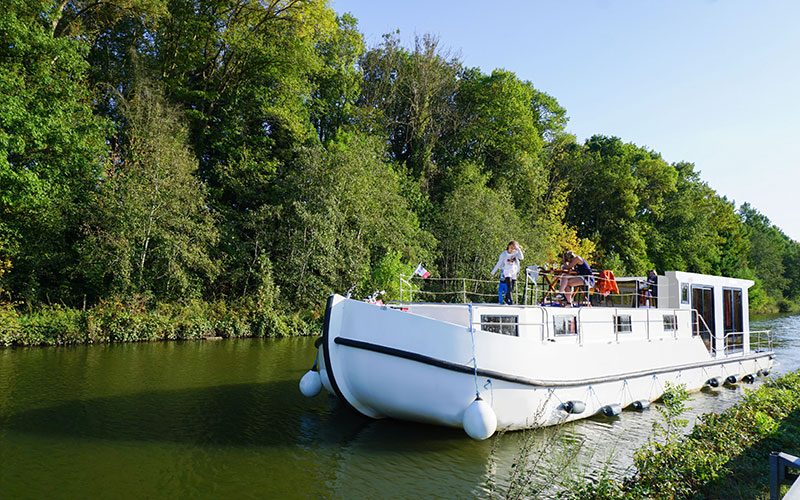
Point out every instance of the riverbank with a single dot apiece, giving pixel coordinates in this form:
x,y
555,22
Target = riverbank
x,y
724,456
132,321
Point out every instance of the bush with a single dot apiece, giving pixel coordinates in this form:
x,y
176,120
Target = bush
x,y
10,330
133,320
719,451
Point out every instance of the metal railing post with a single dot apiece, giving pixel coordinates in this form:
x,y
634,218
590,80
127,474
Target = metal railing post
x,y
774,476
778,463
544,323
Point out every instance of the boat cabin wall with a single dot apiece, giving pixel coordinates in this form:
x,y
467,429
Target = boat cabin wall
x,y
583,325
451,313
722,303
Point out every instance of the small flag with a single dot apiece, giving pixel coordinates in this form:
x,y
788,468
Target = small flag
x,y
422,272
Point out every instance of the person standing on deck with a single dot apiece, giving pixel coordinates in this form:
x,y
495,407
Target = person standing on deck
x,y
584,276
508,262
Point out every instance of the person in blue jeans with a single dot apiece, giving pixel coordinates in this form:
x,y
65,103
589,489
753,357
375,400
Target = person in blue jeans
x,y
508,263
501,289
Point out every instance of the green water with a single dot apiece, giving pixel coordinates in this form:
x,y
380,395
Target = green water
x,y
209,419
225,419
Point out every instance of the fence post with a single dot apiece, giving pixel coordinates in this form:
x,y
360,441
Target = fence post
x,y
774,476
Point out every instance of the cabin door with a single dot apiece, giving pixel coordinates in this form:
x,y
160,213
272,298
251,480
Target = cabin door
x,y
703,304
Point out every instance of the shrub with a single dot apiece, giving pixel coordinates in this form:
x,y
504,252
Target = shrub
x,y
132,320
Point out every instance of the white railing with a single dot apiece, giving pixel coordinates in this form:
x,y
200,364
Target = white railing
x,y
761,340
533,292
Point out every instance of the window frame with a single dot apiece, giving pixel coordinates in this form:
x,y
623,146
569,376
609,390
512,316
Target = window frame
x,y
569,322
623,323
686,295
673,319
501,327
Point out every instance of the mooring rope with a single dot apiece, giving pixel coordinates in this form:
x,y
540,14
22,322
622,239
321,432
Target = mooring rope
x,y
474,355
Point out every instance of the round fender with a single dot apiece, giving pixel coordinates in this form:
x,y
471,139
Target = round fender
x,y
310,384
611,410
479,420
574,407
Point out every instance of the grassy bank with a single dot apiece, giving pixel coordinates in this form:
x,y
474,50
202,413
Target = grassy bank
x,y
724,456
132,321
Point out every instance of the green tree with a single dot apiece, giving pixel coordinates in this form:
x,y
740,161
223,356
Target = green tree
x,y
768,248
473,226
499,130
408,95
341,211
618,190
51,151
337,84
683,236
153,230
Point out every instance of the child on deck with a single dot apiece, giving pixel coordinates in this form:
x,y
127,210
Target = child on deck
x,y
508,262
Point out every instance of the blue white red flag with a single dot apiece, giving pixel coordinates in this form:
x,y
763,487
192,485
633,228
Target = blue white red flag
x,y
422,272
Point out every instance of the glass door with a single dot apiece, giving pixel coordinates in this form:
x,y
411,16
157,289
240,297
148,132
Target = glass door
x,y
703,304
732,316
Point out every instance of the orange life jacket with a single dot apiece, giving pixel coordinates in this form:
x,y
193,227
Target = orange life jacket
x,y
606,283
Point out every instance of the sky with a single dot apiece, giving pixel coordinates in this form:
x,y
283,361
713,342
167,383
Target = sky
x,y
713,82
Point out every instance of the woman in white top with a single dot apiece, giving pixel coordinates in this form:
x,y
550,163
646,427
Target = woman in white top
x,y
508,262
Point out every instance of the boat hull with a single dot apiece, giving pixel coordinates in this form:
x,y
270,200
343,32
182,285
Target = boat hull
x,y
389,363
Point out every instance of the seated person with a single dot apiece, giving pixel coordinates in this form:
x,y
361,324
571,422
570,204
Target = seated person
x,y
583,275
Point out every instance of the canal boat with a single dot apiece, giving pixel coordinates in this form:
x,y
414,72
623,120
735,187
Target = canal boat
x,y
483,367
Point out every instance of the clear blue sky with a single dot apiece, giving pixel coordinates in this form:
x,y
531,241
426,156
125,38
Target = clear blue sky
x,y
716,83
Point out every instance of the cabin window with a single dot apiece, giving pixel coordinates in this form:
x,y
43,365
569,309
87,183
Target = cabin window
x,y
622,324
670,323
684,293
565,325
504,325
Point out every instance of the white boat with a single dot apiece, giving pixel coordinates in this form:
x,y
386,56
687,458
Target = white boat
x,y
484,367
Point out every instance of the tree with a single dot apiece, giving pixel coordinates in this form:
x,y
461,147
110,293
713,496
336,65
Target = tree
x,y
683,236
51,151
474,224
618,191
341,211
408,95
153,230
337,84
768,246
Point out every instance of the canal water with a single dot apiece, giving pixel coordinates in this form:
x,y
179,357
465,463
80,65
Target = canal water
x,y
225,419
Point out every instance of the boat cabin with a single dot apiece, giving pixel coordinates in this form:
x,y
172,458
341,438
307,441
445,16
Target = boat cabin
x,y
719,304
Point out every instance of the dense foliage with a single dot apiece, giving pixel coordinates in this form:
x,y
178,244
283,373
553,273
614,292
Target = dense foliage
x,y
724,456
159,151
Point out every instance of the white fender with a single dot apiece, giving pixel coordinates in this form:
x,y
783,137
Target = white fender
x,y
479,420
310,384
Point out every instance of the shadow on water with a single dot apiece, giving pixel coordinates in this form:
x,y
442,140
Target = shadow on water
x,y
228,415
239,415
